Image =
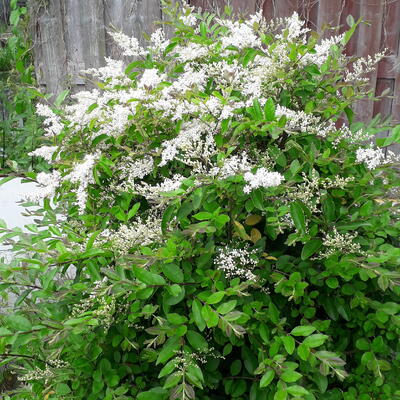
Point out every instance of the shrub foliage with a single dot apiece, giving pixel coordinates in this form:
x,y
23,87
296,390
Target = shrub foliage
x,y
214,226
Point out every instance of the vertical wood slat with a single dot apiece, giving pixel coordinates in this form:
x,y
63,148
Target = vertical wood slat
x,y
244,7
350,7
329,13
369,41
84,37
280,8
50,66
132,18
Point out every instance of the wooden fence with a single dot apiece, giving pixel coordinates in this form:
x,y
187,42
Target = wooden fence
x,y
70,35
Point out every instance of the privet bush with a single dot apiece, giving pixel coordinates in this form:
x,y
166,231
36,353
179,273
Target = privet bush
x,y
227,233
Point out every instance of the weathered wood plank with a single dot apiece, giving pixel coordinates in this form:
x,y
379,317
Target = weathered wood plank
x,y
350,8
369,42
131,17
280,8
244,7
50,51
84,36
209,5
329,13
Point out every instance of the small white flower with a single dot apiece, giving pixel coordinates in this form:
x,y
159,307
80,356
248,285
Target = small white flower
x,y
262,178
45,152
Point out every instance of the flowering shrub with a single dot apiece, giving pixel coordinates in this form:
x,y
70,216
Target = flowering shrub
x,y
216,229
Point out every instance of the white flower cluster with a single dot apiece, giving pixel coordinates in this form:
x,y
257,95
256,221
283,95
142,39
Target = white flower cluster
x,y
241,34
237,262
262,178
52,122
154,193
313,188
298,120
374,158
193,143
129,45
362,67
293,28
45,152
113,72
342,243
345,134
99,289
141,232
322,51
48,184
232,166
82,174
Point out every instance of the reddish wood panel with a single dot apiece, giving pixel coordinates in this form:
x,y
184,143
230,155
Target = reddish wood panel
x,y
350,7
209,5
280,8
244,7
329,13
369,42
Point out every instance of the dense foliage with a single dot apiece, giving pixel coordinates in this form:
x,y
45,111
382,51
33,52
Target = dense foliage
x,y
20,126
216,230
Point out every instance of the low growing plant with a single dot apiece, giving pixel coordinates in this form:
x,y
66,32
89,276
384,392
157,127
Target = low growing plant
x,y
20,126
212,227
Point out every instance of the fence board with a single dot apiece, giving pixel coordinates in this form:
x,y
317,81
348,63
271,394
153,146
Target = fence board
x,y
84,37
281,8
369,42
131,17
50,60
329,13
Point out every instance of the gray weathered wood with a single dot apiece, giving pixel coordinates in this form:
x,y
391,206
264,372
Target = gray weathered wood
x,y
84,36
50,50
132,18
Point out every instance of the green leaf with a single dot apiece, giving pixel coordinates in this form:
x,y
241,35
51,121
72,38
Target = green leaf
x,y
280,394
289,343
173,272
215,297
196,340
290,376
303,330
303,352
269,110
257,110
210,316
267,378
332,282
390,308
201,216
249,56
310,248
203,29
227,307
62,389
132,212
18,323
167,369
315,340
169,349
296,390
61,97
296,211
148,277
157,393
197,316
